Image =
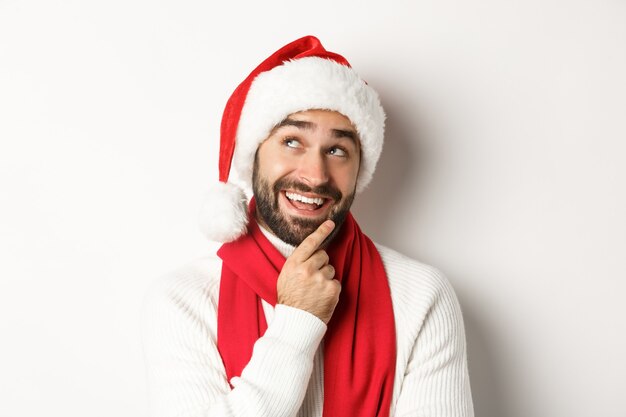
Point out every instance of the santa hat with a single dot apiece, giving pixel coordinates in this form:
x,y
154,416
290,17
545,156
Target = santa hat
x,y
300,76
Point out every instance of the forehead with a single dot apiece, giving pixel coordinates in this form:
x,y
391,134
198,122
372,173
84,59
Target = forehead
x,y
321,116
338,125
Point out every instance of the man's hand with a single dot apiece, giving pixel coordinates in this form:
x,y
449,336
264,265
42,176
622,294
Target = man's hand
x,y
306,281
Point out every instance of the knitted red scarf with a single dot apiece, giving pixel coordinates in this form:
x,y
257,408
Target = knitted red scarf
x,y
360,342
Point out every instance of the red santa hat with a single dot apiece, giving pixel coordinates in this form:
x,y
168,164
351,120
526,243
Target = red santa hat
x,y
300,76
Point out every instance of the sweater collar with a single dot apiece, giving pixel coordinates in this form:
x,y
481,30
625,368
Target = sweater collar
x,y
285,249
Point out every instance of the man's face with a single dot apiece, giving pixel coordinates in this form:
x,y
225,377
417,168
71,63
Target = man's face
x,y
305,172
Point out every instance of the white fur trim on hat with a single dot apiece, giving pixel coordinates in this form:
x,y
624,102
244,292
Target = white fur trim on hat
x,y
306,84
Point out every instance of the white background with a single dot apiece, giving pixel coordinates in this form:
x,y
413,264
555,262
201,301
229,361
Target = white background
x,y
503,167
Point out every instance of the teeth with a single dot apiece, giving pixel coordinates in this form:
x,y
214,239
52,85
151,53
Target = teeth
x,y
298,197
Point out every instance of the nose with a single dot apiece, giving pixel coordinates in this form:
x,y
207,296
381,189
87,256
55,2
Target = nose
x,y
313,169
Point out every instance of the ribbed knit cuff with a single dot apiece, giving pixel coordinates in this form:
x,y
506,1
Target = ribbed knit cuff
x,y
297,328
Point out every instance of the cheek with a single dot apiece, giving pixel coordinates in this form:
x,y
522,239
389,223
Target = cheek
x,y
277,169
271,164
346,177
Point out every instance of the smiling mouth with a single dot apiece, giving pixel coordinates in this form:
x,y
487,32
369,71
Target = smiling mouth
x,y
303,203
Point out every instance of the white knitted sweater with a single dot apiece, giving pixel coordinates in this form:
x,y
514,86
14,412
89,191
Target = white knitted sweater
x,y
284,377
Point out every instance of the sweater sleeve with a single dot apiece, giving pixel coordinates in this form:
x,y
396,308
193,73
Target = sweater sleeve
x,y
436,380
186,376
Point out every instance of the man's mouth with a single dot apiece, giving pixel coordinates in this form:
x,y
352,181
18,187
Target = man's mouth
x,y
304,203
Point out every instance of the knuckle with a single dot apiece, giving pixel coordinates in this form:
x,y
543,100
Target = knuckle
x,y
325,255
311,271
304,269
322,256
329,270
319,276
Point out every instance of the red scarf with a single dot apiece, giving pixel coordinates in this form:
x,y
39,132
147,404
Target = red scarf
x,y
360,342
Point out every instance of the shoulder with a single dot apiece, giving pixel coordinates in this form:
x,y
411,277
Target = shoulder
x,y
190,291
410,274
417,288
198,275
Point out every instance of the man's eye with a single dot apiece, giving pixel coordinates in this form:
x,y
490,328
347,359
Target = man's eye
x,y
291,142
335,151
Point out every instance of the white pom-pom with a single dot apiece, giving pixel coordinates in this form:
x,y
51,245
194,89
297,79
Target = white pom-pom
x,y
224,213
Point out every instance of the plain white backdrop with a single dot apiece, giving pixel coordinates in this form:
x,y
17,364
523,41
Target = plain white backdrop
x,y
503,166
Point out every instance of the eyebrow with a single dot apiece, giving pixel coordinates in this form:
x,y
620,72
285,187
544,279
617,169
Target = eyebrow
x,y
303,124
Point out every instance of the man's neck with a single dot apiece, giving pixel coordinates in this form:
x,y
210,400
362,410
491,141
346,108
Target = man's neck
x,y
285,249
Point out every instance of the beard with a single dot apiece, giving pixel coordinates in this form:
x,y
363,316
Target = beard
x,y
290,229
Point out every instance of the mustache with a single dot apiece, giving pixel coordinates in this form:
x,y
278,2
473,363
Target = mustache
x,y
325,190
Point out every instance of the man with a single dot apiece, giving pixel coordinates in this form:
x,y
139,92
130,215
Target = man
x,y
300,314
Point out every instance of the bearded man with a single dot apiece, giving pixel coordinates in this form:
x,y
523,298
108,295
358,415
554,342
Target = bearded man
x,y
299,313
